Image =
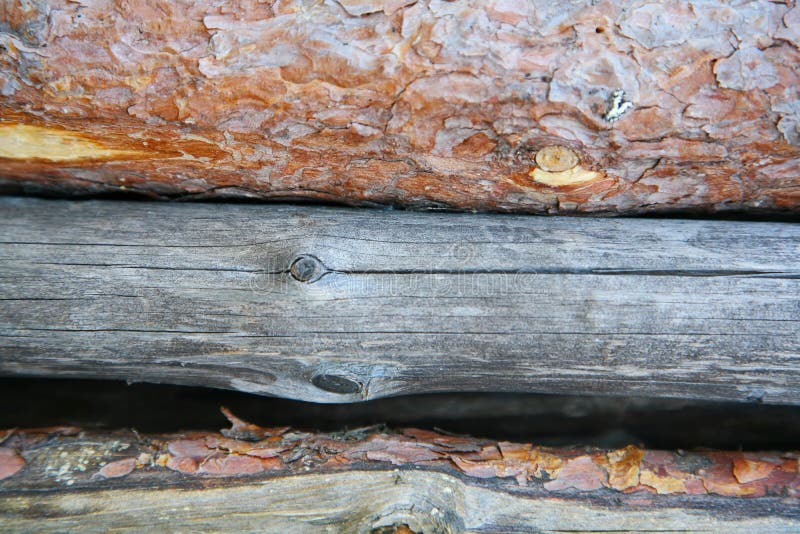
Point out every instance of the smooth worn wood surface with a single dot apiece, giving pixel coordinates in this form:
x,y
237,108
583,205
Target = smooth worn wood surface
x,y
613,106
279,479
336,305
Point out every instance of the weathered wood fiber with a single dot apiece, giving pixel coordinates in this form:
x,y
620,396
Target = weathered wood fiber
x,y
336,305
364,502
251,478
533,106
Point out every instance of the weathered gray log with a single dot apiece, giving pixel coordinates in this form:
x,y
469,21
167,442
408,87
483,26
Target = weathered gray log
x,y
335,305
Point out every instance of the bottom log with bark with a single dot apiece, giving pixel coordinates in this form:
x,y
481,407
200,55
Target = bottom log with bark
x,y
374,479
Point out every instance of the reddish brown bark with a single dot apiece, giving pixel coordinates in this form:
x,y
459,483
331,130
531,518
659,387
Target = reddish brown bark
x,y
653,106
248,450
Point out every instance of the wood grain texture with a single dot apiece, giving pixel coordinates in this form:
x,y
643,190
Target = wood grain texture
x,y
337,305
250,478
361,502
650,107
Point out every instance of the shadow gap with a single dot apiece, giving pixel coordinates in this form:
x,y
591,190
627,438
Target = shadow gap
x,y
548,420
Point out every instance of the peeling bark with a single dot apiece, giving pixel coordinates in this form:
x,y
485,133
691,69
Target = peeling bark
x,y
736,488
267,451
667,106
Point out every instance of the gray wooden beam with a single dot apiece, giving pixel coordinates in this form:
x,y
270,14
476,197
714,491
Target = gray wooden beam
x,y
337,305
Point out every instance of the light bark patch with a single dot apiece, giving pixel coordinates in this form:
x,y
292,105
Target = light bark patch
x,y
572,176
556,158
663,484
26,142
558,166
623,467
751,470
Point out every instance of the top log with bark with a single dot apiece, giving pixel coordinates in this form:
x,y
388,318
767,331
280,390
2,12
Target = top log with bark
x,y
537,106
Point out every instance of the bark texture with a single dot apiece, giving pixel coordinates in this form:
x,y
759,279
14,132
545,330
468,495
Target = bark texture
x,y
579,106
255,478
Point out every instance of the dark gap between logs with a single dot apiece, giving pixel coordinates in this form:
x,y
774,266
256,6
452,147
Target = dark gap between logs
x,y
551,420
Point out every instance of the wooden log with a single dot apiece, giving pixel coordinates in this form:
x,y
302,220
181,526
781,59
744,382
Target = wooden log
x,y
378,480
614,107
338,305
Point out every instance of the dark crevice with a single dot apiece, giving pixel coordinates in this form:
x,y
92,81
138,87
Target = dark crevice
x,y
702,273
554,420
564,271
156,268
324,270
732,213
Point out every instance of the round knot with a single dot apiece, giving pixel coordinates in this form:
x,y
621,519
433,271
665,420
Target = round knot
x,y
336,384
556,158
306,269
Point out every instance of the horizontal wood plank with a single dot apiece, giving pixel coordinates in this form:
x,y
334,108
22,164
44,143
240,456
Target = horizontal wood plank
x,y
336,305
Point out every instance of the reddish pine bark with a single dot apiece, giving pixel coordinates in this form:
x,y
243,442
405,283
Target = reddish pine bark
x,y
641,107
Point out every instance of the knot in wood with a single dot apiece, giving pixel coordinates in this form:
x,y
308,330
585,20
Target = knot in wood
x,y
306,268
336,384
556,158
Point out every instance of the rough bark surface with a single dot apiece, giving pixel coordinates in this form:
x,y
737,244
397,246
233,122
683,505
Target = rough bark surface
x,y
537,106
251,477
342,305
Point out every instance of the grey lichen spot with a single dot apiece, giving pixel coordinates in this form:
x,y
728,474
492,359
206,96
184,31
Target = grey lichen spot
x,y
654,25
787,106
8,85
616,106
746,69
791,30
790,128
548,16
358,8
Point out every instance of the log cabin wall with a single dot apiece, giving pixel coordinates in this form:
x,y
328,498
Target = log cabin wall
x,y
526,107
